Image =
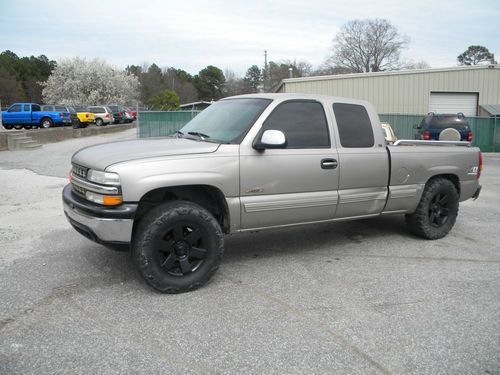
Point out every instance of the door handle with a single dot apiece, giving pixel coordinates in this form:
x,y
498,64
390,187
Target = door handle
x,y
329,163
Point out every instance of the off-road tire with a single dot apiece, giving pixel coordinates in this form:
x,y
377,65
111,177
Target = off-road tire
x,y
158,228
425,222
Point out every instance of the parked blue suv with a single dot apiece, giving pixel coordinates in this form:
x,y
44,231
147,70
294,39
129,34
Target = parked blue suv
x,y
433,124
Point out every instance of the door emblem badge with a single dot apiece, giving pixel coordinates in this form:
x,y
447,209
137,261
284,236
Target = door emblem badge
x,y
254,190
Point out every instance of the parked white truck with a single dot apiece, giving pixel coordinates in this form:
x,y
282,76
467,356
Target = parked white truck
x,y
255,162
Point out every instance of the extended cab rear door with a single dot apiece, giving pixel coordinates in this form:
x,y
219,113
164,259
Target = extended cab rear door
x,y
363,160
295,184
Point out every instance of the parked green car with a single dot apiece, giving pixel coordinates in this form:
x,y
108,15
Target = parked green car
x,y
118,113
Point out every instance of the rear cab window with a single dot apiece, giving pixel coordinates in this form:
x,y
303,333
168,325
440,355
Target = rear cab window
x,y
60,108
354,125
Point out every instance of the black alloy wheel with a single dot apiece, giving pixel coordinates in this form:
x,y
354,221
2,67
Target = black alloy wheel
x,y
439,210
182,249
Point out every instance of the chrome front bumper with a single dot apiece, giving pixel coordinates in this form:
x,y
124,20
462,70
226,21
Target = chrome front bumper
x,y
100,224
106,230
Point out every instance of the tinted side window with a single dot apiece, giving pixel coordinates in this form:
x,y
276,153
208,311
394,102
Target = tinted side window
x,y
47,108
15,108
96,109
303,123
26,108
355,128
35,108
60,108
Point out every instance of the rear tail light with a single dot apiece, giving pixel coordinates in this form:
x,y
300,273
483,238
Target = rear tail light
x,y
107,115
61,115
120,114
469,136
427,135
480,169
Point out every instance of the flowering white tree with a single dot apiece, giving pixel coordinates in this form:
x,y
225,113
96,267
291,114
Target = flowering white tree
x,y
79,81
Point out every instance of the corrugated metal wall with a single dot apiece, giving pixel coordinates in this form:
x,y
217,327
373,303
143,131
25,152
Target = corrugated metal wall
x,y
403,92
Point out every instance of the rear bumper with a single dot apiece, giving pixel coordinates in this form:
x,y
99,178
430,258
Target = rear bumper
x,y
108,226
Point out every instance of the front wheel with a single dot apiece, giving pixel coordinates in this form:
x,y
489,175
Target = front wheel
x,y
177,247
437,210
18,126
8,126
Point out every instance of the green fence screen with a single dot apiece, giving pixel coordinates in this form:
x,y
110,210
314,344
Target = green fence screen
x,y
162,123
485,130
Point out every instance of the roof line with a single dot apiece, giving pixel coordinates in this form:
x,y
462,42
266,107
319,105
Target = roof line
x,y
387,73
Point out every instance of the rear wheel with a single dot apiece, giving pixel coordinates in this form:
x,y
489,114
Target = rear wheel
x,y
437,210
46,123
99,122
178,246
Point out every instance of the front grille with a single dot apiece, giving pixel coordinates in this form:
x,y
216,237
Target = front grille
x,y
79,190
80,171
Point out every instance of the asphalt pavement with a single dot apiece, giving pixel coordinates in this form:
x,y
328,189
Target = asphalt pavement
x,y
362,297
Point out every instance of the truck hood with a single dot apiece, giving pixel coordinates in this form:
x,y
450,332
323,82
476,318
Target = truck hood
x,y
102,156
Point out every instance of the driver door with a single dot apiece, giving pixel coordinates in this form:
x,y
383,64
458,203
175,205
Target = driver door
x,y
294,184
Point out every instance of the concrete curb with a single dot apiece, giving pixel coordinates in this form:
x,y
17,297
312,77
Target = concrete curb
x,y
62,133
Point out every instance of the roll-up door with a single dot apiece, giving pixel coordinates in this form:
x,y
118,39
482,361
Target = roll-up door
x,y
453,102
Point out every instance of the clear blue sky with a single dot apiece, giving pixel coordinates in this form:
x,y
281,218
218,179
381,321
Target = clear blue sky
x,y
233,34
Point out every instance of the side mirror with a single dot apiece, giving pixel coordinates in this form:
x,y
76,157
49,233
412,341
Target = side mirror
x,y
270,139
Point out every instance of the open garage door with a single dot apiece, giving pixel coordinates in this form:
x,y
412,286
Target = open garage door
x,y
453,102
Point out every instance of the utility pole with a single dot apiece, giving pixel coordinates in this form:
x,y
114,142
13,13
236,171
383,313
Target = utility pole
x,y
265,71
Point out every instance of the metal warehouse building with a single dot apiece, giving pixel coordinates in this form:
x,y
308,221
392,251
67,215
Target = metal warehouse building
x,y
472,90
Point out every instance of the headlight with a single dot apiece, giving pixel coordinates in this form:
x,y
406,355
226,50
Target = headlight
x,y
105,178
107,200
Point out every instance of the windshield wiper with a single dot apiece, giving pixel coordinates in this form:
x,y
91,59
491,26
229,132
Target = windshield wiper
x,y
179,134
198,134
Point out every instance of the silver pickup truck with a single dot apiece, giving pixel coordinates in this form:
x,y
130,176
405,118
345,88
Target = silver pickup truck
x,y
255,162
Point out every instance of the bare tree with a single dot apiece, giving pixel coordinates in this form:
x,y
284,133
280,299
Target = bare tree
x,y
415,65
368,46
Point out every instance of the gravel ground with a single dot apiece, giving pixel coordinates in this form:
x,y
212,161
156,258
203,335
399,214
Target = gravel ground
x,y
360,297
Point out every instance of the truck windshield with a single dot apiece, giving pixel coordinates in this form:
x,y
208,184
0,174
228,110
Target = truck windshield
x,y
226,121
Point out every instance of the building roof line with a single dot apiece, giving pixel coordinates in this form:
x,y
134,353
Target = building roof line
x,y
387,73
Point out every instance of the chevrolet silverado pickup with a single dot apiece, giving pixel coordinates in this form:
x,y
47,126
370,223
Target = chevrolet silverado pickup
x,y
254,162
